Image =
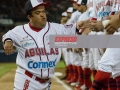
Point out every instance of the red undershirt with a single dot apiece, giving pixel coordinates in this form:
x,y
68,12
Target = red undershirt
x,y
35,29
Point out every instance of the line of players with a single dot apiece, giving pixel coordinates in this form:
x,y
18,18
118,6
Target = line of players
x,y
81,63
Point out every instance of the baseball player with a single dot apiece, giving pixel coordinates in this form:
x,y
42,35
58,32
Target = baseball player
x,y
64,18
68,52
74,57
76,14
36,60
69,13
76,61
85,63
103,11
105,66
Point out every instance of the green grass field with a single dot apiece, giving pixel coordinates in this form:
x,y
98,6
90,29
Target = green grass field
x,y
6,67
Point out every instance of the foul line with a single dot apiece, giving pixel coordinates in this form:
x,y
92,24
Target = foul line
x,y
62,83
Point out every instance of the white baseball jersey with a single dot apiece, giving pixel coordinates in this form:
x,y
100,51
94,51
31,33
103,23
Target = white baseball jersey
x,y
91,9
116,6
71,57
92,54
34,53
104,8
98,52
74,17
110,61
85,16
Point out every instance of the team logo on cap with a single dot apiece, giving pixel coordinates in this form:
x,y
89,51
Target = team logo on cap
x,y
40,1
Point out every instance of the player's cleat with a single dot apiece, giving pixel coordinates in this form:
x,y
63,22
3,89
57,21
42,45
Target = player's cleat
x,y
77,87
74,83
83,87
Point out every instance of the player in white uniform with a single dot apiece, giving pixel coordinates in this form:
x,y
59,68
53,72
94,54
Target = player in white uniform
x,y
68,53
64,18
102,77
36,60
76,14
69,13
85,72
103,11
74,57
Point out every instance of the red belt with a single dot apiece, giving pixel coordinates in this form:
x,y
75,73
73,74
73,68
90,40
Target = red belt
x,y
36,78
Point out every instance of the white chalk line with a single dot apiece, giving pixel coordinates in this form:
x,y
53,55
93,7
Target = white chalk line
x,y
62,83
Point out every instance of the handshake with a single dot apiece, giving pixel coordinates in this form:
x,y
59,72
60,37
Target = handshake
x,y
111,25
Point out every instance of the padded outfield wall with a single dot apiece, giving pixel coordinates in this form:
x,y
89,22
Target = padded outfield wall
x,y
7,58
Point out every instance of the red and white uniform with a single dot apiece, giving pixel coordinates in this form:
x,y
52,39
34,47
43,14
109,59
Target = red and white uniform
x,y
74,17
34,53
102,8
110,62
87,58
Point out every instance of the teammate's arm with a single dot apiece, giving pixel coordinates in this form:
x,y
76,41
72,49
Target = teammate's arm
x,y
82,24
114,24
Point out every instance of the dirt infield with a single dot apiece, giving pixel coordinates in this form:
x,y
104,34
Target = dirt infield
x,y
6,81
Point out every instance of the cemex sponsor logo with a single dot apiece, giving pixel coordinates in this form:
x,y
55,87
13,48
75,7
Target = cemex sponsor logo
x,y
62,40
41,64
104,14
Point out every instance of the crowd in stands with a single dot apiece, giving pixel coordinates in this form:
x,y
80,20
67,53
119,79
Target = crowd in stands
x,y
15,9
12,9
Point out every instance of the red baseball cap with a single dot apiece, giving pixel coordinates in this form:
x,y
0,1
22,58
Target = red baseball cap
x,y
31,4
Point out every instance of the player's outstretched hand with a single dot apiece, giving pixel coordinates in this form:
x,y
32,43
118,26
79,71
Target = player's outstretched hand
x,y
97,26
82,24
113,25
8,47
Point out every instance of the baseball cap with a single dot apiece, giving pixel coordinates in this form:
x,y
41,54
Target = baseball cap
x,y
64,14
74,1
70,9
82,2
31,4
